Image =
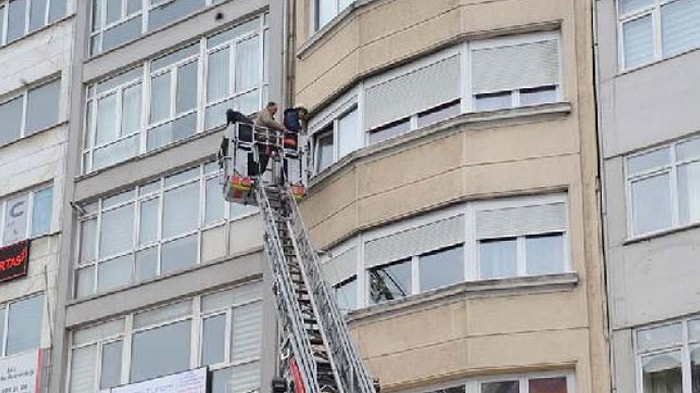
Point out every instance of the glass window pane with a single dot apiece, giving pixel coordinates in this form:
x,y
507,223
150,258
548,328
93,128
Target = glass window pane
x,y
114,273
680,30
148,226
648,161
37,14
85,282
16,23
162,314
237,31
694,330
689,192
659,337
131,109
695,367
186,98
247,103
178,215
166,13
160,97
41,211
548,385
149,188
114,10
133,6
2,329
238,210
116,152
161,351
327,9
218,75
117,199
82,367
213,338
651,204
111,365
11,120
538,95
440,113
182,177
116,233
147,264
124,78
106,119
215,205
346,295
216,114
545,254
15,226
2,28
349,136
246,332
240,379
441,268
627,6
662,373
638,41
170,132
247,64
389,131
455,389
57,10
492,101
25,324
688,150
501,387
497,259
96,14
179,254
390,282
324,150
174,57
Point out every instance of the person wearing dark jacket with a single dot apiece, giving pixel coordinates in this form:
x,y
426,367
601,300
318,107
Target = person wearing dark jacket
x,y
292,121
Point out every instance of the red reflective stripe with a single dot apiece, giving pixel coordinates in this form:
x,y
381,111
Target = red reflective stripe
x,y
296,377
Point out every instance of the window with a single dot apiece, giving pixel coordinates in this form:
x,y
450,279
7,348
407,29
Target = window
x,y
482,75
115,22
25,16
161,341
21,325
326,10
34,110
149,231
26,215
551,382
665,354
652,30
157,103
664,187
485,240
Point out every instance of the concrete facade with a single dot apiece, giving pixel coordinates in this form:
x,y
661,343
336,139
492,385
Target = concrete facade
x,y
652,275
469,330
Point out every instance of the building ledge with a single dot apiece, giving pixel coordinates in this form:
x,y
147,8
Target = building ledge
x,y
444,128
659,234
465,290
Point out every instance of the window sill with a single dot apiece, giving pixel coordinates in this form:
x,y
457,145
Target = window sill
x,y
466,290
154,152
655,62
438,130
37,31
188,270
660,234
35,133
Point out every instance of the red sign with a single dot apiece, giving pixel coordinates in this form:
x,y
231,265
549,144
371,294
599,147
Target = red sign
x,y
14,261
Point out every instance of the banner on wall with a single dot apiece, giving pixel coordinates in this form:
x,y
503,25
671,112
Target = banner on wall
x,y
14,261
190,381
20,373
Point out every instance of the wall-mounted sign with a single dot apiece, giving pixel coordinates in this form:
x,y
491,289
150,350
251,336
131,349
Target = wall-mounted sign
x,y
190,381
20,374
14,261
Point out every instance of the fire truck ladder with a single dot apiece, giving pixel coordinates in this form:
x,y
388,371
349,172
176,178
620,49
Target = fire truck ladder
x,y
323,354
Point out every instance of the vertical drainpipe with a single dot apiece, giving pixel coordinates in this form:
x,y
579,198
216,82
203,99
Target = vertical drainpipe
x,y
601,190
288,51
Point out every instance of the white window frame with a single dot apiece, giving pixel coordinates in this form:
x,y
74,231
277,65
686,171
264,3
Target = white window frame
x,y
96,210
5,322
4,4
30,195
654,10
196,316
472,385
24,94
314,17
470,244
144,78
356,96
672,169
684,348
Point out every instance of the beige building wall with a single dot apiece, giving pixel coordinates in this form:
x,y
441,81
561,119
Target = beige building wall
x,y
473,156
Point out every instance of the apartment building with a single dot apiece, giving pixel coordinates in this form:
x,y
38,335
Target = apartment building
x,y
649,75
35,57
158,275
453,185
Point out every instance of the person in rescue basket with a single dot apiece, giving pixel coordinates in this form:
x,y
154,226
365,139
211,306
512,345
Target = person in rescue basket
x,y
266,118
293,118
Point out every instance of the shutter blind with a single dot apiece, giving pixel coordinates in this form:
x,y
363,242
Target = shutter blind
x,y
82,370
638,40
680,27
413,92
415,241
341,267
520,221
246,332
515,66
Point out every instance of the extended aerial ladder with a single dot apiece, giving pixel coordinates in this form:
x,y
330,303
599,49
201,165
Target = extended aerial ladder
x,y
316,352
